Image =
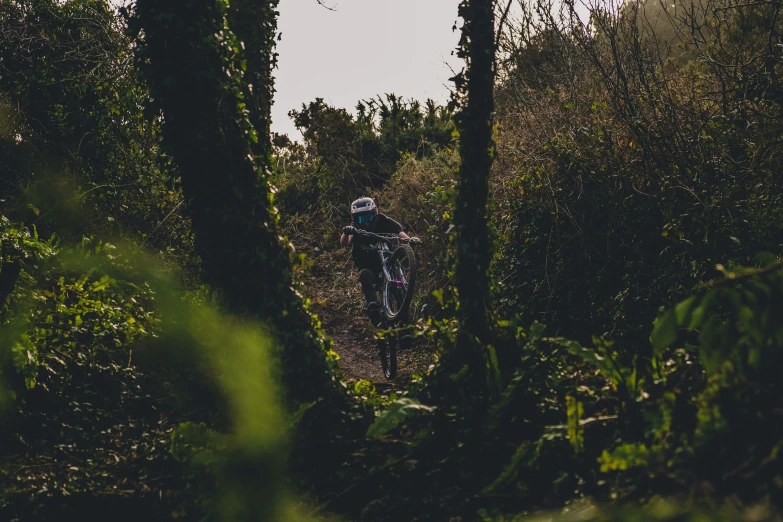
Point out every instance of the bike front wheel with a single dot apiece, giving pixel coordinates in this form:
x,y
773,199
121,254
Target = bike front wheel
x,y
387,350
398,292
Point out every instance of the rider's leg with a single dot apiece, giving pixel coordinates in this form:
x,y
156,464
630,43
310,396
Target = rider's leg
x,y
367,279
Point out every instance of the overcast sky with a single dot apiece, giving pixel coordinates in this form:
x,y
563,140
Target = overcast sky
x,y
362,49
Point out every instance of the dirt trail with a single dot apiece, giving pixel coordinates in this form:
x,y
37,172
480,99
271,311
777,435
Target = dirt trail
x,y
354,343
333,287
358,357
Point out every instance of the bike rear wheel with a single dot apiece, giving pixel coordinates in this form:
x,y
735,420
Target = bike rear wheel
x,y
398,292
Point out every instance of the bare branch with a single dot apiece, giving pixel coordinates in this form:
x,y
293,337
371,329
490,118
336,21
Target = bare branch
x,y
502,22
323,4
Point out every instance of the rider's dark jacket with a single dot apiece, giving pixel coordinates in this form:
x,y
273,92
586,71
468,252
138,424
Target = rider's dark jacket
x,y
367,258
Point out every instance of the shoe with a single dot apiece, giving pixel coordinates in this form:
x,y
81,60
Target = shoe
x,y
374,311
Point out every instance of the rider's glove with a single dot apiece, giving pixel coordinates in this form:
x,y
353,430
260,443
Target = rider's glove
x,y
350,230
415,240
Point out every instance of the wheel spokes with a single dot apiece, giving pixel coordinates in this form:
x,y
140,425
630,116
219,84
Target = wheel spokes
x,y
399,290
397,285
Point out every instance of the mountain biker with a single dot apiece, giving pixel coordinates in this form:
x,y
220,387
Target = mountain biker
x,y
365,217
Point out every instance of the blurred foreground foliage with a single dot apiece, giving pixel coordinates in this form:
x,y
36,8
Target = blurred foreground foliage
x,y
112,375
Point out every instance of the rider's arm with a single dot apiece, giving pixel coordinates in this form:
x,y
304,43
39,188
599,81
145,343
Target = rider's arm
x,y
403,235
345,239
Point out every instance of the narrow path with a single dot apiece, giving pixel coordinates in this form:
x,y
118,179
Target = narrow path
x,y
358,357
336,297
355,345
359,360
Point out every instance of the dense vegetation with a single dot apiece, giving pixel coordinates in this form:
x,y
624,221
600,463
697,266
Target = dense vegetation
x,y
598,322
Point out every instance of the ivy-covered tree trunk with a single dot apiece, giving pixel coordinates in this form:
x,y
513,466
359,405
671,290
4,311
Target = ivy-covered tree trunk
x,y
194,64
254,22
475,88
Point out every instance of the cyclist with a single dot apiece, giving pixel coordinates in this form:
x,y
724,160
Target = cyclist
x,y
365,216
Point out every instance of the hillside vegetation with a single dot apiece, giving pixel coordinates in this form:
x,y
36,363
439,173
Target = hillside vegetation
x,y
598,330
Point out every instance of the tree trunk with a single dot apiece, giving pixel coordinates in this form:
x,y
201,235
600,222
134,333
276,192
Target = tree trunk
x,y
190,60
474,245
254,22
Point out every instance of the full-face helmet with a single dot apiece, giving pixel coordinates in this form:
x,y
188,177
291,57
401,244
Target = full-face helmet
x,y
363,212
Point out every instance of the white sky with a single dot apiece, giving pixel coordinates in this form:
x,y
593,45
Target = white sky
x,y
362,49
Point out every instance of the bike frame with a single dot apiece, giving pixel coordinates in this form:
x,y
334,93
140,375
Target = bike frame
x,y
382,246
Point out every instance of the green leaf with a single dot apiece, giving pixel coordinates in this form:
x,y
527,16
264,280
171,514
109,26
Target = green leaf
x,y
494,370
575,412
103,284
299,414
665,331
593,357
510,472
766,258
684,310
625,457
363,387
536,331
394,415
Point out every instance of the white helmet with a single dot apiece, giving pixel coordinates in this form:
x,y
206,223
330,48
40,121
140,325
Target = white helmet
x,y
363,212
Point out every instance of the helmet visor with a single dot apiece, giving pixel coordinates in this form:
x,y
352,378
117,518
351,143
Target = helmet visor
x,y
365,218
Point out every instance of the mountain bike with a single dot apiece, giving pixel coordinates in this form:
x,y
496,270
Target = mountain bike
x,y
398,282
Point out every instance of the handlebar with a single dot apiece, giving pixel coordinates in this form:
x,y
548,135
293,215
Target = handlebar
x,y
388,238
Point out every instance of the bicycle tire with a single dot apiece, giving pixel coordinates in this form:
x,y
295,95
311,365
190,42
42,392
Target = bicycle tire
x,y
387,351
404,302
